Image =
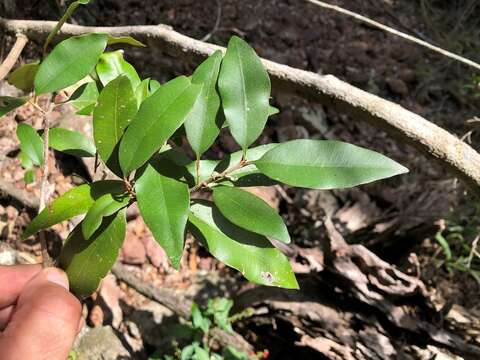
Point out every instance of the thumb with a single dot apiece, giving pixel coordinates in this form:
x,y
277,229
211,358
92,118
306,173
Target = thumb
x,y
45,321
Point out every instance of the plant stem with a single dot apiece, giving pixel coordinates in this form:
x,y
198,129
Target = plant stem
x,y
47,261
221,176
73,6
197,171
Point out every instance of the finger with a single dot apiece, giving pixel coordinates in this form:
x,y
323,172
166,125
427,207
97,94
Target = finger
x,y
45,320
5,315
13,280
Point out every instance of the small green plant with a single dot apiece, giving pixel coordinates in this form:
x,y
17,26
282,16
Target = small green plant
x,y
199,333
459,248
134,124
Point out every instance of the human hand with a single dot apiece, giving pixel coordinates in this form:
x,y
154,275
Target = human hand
x,y
39,317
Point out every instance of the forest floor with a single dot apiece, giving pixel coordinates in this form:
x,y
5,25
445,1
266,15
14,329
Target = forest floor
x,y
402,220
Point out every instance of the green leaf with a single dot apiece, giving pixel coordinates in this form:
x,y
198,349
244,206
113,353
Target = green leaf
x,y
326,164
154,86
244,86
74,202
251,254
84,98
198,320
220,308
8,103
71,142
201,124
25,160
124,40
22,78
230,353
111,65
105,205
158,118
29,176
142,91
272,110
164,204
70,61
250,212
87,261
116,108
31,143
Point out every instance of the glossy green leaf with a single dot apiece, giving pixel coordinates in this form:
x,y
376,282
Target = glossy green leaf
x,y
31,143
164,204
87,261
251,254
154,86
142,91
125,40
29,176
8,103
22,78
25,160
112,64
116,108
244,86
74,202
326,164
157,119
106,205
84,98
201,124
70,61
250,212
71,142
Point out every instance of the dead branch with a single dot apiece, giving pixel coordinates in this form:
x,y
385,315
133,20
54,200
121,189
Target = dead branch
x,y
20,198
13,55
393,31
178,304
454,154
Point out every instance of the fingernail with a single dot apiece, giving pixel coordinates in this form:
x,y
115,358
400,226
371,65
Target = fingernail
x,y
56,276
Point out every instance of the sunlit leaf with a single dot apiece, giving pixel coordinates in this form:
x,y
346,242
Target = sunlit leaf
x,y
31,143
87,261
106,205
251,254
325,164
250,212
74,202
29,176
164,204
112,64
116,108
201,124
84,98
124,40
70,61
244,87
157,119
71,142
142,91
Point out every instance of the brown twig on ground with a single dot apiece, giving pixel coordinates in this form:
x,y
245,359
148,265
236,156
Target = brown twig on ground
x,y
457,156
393,31
13,55
179,305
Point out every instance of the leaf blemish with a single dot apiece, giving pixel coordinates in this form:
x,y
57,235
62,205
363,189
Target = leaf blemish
x,y
267,276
